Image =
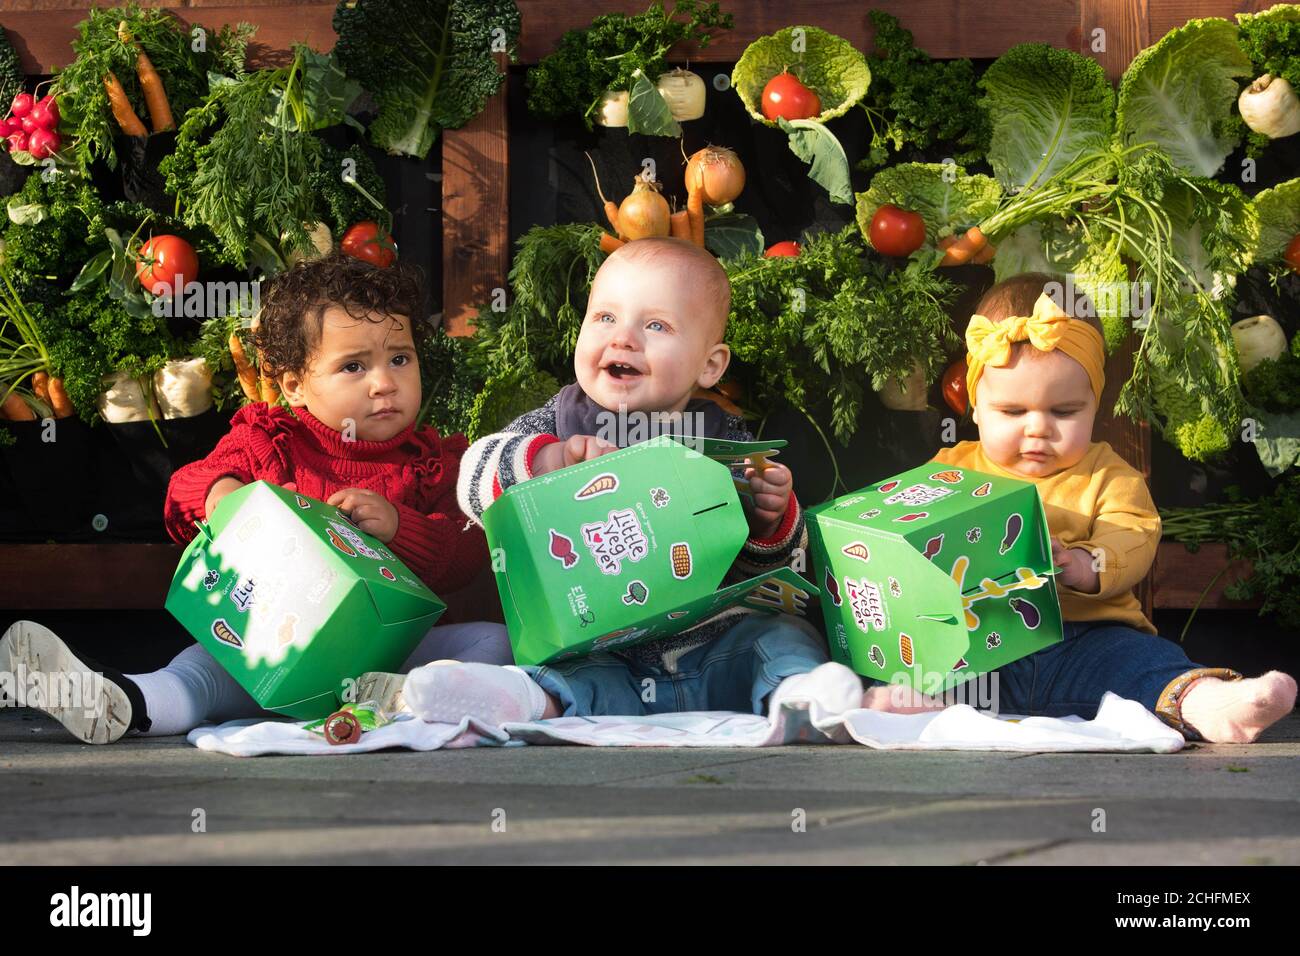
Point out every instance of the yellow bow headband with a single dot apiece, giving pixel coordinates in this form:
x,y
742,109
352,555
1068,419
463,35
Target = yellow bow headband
x,y
989,342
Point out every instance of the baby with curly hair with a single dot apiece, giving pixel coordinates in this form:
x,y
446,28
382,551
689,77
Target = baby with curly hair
x,y
338,337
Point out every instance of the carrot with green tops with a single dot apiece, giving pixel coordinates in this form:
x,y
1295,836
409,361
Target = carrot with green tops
x,y
122,111
247,374
40,386
609,243
965,248
59,400
15,409
151,85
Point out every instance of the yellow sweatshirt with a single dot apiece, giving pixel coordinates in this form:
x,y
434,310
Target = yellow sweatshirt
x,y
1102,503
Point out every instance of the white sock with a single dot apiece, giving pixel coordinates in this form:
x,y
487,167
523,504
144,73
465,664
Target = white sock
x,y
190,690
447,692
833,686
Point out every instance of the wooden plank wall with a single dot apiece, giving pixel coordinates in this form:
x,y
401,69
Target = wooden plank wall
x,y
476,253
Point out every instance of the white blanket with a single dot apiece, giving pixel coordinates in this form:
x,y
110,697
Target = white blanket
x,y
1120,726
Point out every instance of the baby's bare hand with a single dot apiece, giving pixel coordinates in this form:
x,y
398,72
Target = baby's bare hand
x,y
577,449
771,487
368,510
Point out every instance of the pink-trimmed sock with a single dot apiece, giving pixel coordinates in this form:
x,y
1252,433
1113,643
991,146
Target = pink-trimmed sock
x,y
1237,712
448,691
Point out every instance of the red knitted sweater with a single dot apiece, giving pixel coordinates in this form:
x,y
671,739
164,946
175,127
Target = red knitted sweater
x,y
415,470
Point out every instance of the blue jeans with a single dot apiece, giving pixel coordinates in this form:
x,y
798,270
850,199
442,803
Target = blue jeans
x,y
1098,656
736,671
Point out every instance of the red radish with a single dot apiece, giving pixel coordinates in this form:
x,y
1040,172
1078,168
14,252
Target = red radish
x,y
44,116
782,249
22,105
787,98
17,142
896,232
43,143
29,124
8,126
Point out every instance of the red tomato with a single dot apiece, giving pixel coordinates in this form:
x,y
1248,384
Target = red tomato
x,y
1292,254
21,106
787,248
897,232
954,387
43,142
162,259
785,97
367,242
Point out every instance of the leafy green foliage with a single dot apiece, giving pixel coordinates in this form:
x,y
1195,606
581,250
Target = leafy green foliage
x,y
1265,532
1178,95
814,331
607,55
818,146
57,240
428,63
1279,219
828,65
241,167
1274,384
1047,106
916,104
340,205
946,197
1271,39
213,346
550,279
90,335
168,42
648,113
449,379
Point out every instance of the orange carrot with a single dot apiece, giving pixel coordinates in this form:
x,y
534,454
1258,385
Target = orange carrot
x,y
40,385
59,400
695,207
16,410
679,225
985,255
270,391
247,375
122,111
609,244
155,97
611,208
965,248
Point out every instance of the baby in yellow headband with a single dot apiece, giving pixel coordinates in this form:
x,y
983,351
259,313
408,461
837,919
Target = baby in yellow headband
x,y
1035,379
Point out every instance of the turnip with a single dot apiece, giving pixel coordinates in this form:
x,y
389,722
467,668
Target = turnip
x,y
684,92
1258,338
1270,106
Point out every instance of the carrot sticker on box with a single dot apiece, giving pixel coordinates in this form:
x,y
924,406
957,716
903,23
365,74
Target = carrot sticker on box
x,y
223,632
600,485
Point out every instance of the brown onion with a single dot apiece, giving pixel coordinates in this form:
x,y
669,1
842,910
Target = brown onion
x,y
644,213
723,174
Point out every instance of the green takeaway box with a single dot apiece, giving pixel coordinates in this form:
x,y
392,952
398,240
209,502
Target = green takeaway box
x,y
627,548
935,576
293,600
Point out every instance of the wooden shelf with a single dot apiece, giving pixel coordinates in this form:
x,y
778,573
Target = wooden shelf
x,y
75,577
